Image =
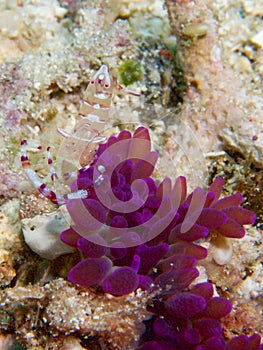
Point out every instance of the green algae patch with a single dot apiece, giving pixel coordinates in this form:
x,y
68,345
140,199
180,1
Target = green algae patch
x,y
130,72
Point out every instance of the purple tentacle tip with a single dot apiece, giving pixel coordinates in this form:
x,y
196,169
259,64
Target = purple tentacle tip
x,y
185,305
90,272
121,281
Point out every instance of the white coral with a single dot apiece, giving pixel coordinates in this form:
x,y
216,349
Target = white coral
x,y
41,233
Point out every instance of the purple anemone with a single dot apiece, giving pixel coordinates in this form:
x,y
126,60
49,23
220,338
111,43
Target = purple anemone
x,y
135,232
128,213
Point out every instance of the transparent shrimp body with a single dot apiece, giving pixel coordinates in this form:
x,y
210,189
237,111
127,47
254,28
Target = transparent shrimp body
x,y
94,118
94,108
80,144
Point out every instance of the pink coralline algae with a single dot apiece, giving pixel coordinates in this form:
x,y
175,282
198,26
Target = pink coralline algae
x,y
10,88
134,232
8,182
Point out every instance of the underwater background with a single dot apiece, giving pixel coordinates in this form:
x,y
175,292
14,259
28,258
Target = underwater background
x,y
191,73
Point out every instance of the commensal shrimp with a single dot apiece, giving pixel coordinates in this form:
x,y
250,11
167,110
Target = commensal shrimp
x,y
94,115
